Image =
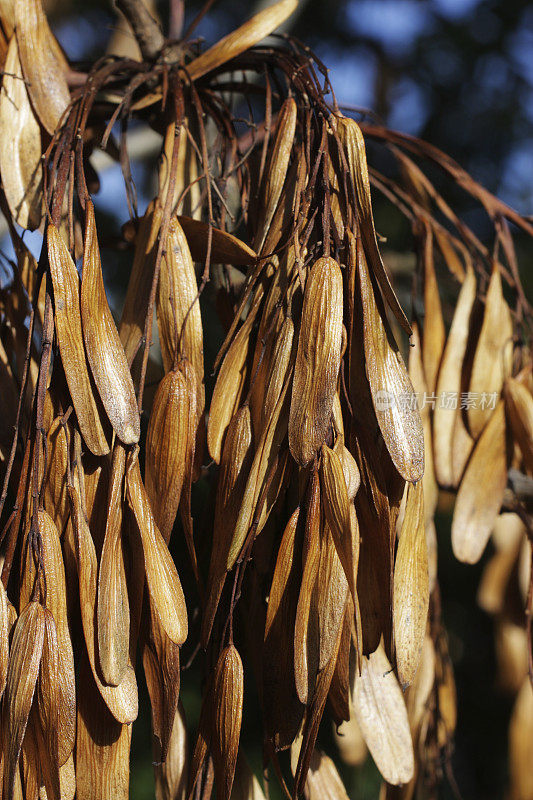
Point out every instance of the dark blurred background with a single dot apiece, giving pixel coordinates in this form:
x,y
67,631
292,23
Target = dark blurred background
x,y
458,73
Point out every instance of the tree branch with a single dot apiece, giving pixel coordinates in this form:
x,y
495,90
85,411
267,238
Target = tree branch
x,y
145,28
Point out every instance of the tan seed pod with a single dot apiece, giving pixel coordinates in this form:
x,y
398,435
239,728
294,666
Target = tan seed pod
x,y
4,638
225,247
449,381
306,629
7,15
350,742
42,64
102,746
337,512
481,491
167,449
161,575
113,610
323,780
276,169
510,641
317,361
434,332
283,710
30,773
20,145
70,339
352,476
55,485
56,603
266,343
493,356
354,145
235,465
521,745
229,386
462,446
392,391
507,537
121,700
236,42
265,459
380,711
138,292
519,411
245,784
178,308
105,353
411,587
187,187
171,776
282,360
227,715
161,661
313,718
418,379
332,591
48,705
23,670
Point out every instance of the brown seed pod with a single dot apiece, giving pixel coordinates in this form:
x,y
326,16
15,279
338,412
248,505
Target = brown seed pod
x,y
161,661
22,674
276,169
102,746
4,639
121,700
306,629
418,379
227,714
392,391
317,361
178,308
48,707
351,137
105,353
282,708
225,247
70,339
55,484
42,62
337,512
434,335
260,476
56,603
138,292
113,610
332,592
171,776
168,448
229,386
235,464
20,145
161,575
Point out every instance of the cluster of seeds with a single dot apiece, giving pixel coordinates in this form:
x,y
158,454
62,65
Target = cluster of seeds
x,y
311,574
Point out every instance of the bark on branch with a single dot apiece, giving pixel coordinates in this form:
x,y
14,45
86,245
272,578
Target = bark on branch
x,y
146,30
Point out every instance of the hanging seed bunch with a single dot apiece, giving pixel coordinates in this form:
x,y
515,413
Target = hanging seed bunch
x,y
310,577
